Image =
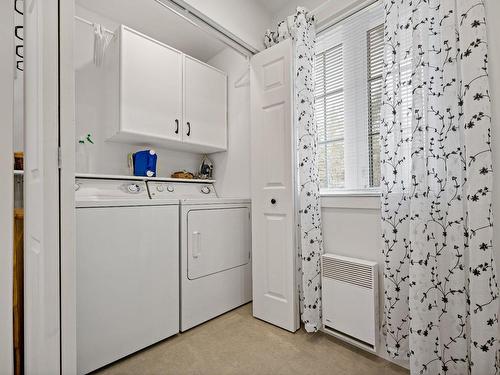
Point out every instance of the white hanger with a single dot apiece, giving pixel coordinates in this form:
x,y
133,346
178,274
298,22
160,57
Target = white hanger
x,y
244,79
83,20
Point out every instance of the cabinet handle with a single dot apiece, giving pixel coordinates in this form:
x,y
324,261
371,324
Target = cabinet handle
x,y
189,129
176,126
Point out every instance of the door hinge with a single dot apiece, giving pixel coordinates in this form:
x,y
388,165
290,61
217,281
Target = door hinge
x,y
59,158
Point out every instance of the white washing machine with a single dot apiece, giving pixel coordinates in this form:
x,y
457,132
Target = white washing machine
x,y
215,256
127,270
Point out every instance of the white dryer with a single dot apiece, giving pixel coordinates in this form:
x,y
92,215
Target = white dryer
x,y
215,256
127,270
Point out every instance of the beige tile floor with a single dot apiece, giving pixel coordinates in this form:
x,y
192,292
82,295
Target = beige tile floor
x,y
236,343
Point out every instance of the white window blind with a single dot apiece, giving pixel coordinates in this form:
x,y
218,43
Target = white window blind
x,y
348,94
329,90
375,52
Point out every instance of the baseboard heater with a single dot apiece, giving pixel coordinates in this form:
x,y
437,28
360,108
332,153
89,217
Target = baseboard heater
x,y
350,300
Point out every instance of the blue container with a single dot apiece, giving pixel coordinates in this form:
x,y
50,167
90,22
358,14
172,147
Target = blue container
x,y
145,163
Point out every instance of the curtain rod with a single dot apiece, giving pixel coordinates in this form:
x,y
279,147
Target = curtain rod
x,y
90,23
341,15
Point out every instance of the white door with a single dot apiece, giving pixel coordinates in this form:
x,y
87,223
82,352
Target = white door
x,y
218,240
273,232
205,103
41,174
6,187
151,87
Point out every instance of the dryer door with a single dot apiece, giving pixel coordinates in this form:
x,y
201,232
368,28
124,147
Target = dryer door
x,y
218,239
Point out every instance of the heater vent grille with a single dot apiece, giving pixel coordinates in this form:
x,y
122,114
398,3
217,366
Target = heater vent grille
x,y
348,271
350,300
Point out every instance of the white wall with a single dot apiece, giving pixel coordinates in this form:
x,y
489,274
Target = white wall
x,y
18,111
244,18
232,168
109,157
290,7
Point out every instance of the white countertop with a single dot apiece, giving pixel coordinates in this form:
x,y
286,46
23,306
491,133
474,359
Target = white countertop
x,y
139,178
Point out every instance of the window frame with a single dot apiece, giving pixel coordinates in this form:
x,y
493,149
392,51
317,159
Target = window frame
x,y
362,174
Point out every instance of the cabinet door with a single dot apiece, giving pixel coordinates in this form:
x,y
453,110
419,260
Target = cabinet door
x,y
150,87
205,105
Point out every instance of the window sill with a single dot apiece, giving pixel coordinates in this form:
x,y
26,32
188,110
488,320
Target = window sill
x,y
350,193
368,200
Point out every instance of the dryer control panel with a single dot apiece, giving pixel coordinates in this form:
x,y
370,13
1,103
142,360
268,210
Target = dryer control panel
x,y
87,189
181,190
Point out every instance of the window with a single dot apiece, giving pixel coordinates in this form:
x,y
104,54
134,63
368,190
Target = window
x,y
375,54
329,93
348,95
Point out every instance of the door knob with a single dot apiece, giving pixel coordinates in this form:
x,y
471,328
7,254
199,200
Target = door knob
x,y
176,126
273,201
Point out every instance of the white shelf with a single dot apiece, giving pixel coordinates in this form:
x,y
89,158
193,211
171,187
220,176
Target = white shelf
x,y
140,178
18,172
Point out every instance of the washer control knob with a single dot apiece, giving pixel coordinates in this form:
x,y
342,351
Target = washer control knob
x,y
205,189
133,188
170,188
159,188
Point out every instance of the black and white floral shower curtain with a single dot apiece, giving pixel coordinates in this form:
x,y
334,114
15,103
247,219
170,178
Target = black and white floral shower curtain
x,y
300,27
441,294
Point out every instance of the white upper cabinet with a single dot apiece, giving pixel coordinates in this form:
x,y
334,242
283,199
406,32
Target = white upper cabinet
x,y
145,83
205,101
157,95
151,87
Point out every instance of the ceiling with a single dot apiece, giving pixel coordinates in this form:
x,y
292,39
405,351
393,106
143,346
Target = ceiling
x,y
158,22
273,6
